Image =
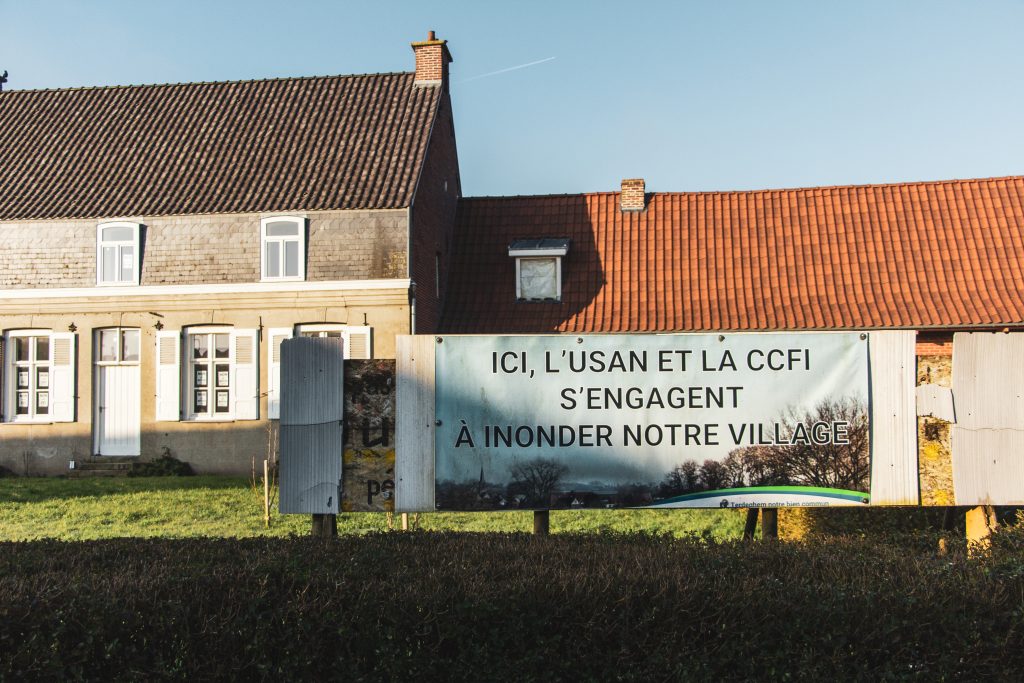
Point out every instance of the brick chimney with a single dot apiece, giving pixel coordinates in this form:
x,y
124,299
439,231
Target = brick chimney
x,y
632,198
432,59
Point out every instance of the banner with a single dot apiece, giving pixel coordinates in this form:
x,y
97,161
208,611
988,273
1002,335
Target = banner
x,y
674,420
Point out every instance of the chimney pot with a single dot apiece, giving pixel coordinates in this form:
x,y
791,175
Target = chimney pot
x,y
430,35
633,197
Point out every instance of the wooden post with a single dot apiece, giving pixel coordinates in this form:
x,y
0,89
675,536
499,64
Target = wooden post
x,y
266,494
325,526
405,521
541,522
769,523
751,526
981,522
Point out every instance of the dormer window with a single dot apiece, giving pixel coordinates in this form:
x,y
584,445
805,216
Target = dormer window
x,y
283,248
117,254
539,268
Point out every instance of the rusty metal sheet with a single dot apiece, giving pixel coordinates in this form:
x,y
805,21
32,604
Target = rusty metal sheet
x,y
369,451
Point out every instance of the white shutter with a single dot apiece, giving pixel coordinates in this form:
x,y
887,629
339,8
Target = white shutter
x,y
246,371
359,343
168,376
276,336
62,376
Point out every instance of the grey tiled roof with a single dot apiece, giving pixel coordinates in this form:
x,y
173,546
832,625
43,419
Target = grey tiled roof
x,y
335,142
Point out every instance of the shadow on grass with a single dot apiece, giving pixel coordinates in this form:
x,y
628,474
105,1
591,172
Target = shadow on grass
x,y
39,489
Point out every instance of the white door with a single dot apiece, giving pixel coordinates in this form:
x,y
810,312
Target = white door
x,y
118,392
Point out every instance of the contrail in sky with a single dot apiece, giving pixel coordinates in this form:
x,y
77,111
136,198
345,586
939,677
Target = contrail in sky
x,y
511,68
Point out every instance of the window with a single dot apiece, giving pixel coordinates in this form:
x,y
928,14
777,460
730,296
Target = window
x,y
283,248
209,374
118,346
539,268
38,375
357,343
31,376
355,339
117,254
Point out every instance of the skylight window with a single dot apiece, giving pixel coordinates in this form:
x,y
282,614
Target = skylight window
x,y
539,268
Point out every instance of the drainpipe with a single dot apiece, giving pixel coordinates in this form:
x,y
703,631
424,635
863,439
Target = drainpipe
x,y
412,307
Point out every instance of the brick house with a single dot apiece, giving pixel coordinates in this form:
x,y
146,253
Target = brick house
x,y
157,243
932,257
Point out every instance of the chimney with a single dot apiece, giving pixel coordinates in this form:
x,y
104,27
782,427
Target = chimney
x,y
432,58
632,198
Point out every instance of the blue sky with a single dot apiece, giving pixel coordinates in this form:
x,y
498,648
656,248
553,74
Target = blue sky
x,y
690,96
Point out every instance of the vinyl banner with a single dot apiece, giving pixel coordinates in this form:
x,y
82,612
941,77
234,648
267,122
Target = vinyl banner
x,y
674,420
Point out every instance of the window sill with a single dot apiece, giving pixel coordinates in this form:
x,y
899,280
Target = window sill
x,y
282,279
131,283
28,422
209,419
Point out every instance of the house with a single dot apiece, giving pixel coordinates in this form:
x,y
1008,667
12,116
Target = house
x,y
936,258
158,242
933,257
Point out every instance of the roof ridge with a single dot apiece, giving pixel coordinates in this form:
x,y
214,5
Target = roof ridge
x,y
809,188
132,86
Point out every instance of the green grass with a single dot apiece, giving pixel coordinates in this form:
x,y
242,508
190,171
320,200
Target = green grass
x,y
189,507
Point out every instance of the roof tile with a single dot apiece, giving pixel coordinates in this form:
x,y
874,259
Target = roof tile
x,y
911,255
333,142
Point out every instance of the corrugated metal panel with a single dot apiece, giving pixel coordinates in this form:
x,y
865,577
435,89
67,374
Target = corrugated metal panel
x,y
414,432
894,475
312,411
988,439
935,401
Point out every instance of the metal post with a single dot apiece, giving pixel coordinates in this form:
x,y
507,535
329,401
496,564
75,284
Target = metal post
x,y
541,522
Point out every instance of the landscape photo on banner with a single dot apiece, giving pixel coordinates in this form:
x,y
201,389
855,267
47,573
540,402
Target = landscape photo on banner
x,y
657,420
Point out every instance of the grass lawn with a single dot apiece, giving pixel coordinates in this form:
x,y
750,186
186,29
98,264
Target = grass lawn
x,y
183,507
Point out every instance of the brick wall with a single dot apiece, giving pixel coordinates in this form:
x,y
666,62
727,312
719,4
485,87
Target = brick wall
x,y
433,219
342,245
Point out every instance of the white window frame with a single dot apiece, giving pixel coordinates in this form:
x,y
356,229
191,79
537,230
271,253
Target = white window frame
x,y
119,244
303,330
300,224
277,335
11,378
211,414
558,276
98,332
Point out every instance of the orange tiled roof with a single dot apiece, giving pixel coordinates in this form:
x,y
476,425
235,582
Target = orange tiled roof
x,y
336,142
912,255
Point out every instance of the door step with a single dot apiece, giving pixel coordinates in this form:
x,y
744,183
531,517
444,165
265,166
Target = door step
x,y
103,466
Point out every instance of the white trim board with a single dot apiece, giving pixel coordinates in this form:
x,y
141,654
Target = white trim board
x,y
218,288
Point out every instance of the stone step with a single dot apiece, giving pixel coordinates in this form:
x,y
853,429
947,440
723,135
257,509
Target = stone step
x,y
96,466
102,466
87,474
